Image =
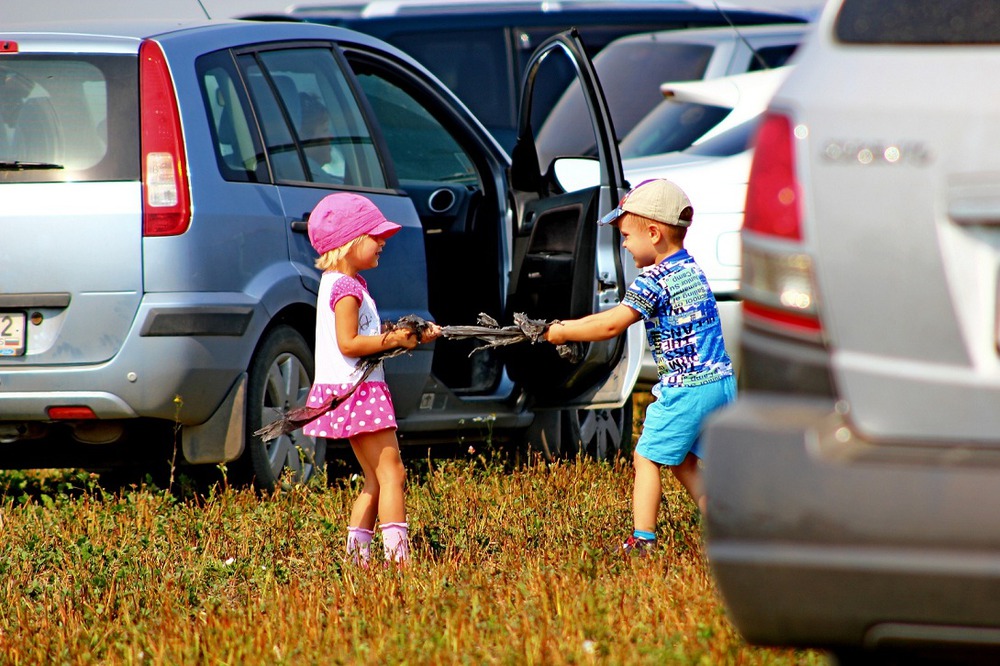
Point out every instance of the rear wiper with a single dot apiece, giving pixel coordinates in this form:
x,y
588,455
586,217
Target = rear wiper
x,y
16,165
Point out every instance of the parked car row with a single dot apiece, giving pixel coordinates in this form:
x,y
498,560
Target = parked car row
x,y
480,50
636,47
156,179
192,308
852,487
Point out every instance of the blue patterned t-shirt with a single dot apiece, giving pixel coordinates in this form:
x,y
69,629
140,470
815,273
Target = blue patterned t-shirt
x,y
682,322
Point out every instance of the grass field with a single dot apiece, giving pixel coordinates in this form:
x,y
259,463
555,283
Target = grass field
x,y
510,567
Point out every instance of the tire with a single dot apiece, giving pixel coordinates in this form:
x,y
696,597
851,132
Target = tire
x,y
602,434
279,378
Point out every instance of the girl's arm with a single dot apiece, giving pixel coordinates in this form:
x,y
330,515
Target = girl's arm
x,y
598,326
354,345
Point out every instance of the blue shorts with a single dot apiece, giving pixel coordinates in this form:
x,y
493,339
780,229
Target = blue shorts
x,y
672,425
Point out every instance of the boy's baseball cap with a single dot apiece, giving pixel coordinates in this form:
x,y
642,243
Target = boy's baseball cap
x,y
658,199
340,218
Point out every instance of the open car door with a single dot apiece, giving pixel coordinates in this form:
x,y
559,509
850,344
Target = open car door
x,y
564,265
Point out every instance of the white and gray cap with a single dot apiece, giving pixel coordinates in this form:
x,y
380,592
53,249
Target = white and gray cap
x,y
658,199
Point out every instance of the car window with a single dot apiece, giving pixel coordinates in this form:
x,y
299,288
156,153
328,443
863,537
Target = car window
x,y
594,37
671,126
917,22
631,73
769,57
448,58
422,148
237,146
313,127
68,118
731,142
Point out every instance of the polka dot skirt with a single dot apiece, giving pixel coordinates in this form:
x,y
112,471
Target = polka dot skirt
x,y
367,410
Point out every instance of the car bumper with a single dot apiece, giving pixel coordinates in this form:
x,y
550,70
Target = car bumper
x,y
782,365
817,538
178,364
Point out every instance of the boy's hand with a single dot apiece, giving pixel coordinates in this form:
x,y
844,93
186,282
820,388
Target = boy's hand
x,y
556,333
431,333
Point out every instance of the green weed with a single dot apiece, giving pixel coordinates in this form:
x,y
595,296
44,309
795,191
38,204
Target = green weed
x,y
511,566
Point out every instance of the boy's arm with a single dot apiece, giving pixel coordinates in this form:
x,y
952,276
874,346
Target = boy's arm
x,y
598,326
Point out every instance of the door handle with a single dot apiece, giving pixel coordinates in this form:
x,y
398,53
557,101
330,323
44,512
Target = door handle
x,y
301,225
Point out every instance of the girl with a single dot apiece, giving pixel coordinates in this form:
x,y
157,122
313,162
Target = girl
x,y
349,233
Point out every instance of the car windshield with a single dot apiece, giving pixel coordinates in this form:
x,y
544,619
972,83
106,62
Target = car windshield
x,y
671,126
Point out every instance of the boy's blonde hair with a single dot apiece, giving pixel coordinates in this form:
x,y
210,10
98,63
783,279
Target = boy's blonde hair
x,y
330,259
674,233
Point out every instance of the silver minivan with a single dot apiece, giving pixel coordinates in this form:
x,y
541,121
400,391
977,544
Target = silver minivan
x,y
157,284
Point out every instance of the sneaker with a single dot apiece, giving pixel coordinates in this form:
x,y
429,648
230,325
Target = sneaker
x,y
636,547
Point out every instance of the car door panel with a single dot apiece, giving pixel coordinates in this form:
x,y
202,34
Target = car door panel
x,y
565,265
283,82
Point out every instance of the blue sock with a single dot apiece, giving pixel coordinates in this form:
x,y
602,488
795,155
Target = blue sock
x,y
645,536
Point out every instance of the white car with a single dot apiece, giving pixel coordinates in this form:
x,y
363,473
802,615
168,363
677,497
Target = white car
x,y
715,119
632,69
853,487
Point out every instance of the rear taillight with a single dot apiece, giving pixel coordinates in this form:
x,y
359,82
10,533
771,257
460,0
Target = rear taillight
x,y
166,205
777,281
773,192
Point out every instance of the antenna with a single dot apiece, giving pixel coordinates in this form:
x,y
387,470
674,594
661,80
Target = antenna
x,y
207,15
739,34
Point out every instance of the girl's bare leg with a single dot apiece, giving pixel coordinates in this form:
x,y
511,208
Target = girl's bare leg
x,y
385,476
646,493
365,508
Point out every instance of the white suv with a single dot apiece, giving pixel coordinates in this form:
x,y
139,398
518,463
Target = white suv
x,y
853,488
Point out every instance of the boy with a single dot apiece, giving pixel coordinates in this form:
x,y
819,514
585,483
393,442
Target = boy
x,y
685,335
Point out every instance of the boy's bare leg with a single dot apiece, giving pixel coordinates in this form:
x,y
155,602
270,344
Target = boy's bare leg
x,y
645,493
689,474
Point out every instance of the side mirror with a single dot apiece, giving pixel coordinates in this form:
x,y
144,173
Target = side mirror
x,y
576,173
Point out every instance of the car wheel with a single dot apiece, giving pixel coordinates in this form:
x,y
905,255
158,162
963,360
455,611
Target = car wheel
x,y
603,434
280,377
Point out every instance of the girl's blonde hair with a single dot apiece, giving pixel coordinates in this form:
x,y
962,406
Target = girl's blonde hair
x,y
330,259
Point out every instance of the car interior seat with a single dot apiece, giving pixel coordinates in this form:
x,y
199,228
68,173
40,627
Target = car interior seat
x,y
36,136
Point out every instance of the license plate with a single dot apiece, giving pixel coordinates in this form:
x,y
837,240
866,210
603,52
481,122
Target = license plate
x,y
11,334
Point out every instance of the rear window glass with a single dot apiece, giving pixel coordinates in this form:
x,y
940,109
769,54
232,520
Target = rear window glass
x,y
919,22
671,126
731,142
68,118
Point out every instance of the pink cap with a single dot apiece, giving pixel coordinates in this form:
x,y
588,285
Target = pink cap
x,y
340,218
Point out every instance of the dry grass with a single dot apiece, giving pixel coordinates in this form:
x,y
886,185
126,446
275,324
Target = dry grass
x,y
511,567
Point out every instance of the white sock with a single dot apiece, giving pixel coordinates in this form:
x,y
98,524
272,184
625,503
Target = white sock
x,y
396,542
358,544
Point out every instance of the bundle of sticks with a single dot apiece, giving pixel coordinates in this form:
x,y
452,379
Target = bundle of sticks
x,y
486,329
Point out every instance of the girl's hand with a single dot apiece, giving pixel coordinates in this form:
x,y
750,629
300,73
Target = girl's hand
x,y
401,337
